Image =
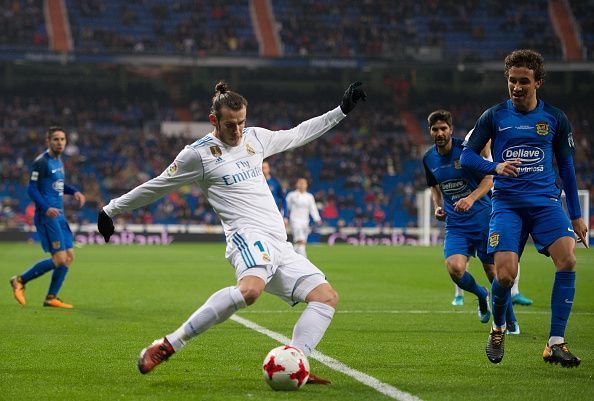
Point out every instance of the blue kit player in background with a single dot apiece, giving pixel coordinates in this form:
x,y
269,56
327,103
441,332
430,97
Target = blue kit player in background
x,y
275,187
526,135
466,208
46,189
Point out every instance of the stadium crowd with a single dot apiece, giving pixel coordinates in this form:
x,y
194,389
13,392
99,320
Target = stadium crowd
x,y
364,174
466,30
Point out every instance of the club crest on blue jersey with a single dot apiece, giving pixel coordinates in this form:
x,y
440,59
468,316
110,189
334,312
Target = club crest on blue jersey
x,y
216,151
493,240
457,164
56,244
542,129
249,149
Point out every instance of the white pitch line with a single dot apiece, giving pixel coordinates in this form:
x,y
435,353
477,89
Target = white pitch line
x,y
332,363
415,312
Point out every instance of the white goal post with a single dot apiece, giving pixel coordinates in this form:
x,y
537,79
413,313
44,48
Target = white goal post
x,y
427,223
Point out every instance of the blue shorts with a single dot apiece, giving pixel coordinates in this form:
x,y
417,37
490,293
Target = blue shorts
x,y
509,228
459,242
55,234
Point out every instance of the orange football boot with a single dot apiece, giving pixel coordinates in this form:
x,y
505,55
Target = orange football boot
x,y
18,289
56,303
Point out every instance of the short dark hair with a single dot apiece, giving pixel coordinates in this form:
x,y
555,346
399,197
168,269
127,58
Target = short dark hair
x,y
224,97
440,115
52,129
528,58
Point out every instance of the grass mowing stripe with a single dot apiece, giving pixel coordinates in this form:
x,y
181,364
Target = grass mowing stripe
x,y
332,363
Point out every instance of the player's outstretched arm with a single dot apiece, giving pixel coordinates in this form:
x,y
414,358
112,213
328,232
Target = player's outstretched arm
x,y
105,225
186,168
279,141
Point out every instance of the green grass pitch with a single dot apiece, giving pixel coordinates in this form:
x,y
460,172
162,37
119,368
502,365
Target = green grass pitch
x,y
394,322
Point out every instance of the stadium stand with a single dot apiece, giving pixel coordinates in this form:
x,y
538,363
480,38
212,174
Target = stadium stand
x,y
365,174
182,27
22,25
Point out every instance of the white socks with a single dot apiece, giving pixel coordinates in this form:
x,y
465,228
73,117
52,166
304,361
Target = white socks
x,y
218,308
556,340
515,290
459,291
311,326
300,249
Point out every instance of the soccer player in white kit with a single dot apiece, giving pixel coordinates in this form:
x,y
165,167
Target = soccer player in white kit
x,y
301,205
226,164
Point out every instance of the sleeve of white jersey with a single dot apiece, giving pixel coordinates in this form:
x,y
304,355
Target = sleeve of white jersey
x,y
186,168
278,141
313,209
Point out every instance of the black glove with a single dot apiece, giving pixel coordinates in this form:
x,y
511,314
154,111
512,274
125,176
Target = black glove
x,y
105,225
351,97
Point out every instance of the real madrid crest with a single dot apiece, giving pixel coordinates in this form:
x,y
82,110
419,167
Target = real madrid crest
x,y
542,129
249,149
216,151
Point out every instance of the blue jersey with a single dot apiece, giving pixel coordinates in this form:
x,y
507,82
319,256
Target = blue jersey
x,y
533,138
277,193
46,185
456,183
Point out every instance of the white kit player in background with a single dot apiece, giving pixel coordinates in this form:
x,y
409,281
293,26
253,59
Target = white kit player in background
x,y
226,164
301,205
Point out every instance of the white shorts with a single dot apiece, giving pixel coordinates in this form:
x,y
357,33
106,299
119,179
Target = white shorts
x,y
287,274
300,231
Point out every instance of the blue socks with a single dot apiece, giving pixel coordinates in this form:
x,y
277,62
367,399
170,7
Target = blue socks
x,y
37,270
501,300
561,301
510,316
57,279
467,283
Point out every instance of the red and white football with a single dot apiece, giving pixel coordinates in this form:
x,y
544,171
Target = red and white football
x,y
286,368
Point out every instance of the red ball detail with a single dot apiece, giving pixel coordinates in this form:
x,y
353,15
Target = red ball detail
x,y
270,367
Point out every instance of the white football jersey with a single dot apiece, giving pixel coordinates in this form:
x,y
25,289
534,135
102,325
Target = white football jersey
x,y
301,205
231,177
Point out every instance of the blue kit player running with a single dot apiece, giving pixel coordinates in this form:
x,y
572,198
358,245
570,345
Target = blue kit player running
x,y
526,134
466,208
46,189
